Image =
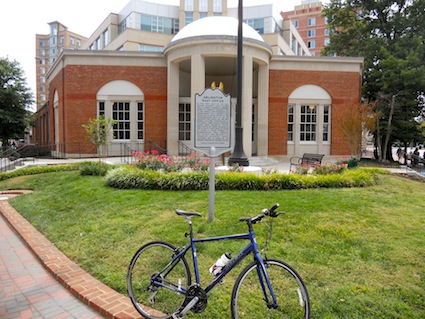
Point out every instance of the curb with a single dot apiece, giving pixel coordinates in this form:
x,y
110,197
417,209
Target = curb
x,y
81,284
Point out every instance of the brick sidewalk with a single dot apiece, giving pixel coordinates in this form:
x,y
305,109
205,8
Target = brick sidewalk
x,y
30,293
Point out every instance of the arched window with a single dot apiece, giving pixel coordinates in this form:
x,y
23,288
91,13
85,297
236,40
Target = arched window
x,y
56,115
123,102
309,119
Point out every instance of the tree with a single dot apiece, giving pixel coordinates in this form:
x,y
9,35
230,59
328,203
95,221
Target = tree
x,y
390,35
356,121
15,101
98,132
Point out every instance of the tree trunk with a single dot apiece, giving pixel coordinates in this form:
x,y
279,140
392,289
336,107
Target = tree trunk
x,y
388,135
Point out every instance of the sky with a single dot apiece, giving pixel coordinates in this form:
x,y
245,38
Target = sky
x,y
21,20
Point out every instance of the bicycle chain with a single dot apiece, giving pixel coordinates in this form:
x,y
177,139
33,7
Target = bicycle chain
x,y
196,291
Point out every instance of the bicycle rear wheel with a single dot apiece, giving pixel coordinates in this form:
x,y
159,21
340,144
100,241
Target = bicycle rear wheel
x,y
151,268
291,294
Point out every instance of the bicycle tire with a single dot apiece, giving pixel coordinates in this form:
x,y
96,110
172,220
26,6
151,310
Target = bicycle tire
x,y
248,298
149,260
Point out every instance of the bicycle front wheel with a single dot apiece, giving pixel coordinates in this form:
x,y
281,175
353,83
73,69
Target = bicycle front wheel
x,y
155,283
248,300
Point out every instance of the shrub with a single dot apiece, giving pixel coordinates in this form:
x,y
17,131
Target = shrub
x,y
184,181
237,181
130,177
94,168
39,170
154,161
303,169
351,162
329,169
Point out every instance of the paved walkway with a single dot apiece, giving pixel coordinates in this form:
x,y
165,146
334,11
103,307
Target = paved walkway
x,y
27,289
39,281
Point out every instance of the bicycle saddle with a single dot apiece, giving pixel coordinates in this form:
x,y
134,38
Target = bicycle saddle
x,y
187,214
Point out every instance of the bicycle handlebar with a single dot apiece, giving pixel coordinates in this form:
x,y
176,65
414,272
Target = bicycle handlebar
x,y
265,212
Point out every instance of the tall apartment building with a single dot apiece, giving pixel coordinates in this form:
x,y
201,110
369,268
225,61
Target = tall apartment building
x,y
47,49
312,27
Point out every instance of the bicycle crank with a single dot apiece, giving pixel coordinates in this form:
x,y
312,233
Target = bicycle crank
x,y
196,300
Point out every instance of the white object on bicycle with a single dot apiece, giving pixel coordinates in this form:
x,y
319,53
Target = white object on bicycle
x,y
220,263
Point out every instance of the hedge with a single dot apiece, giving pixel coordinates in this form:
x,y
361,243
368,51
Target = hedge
x,y
127,177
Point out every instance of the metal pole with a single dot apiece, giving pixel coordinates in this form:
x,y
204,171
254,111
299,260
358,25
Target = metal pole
x,y
211,194
238,156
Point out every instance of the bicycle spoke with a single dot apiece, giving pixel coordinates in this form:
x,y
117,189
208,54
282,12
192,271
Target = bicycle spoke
x,y
148,287
248,299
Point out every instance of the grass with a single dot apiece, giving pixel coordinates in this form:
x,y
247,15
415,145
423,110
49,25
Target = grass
x,y
360,251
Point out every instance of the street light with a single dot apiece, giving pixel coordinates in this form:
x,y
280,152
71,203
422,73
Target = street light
x,y
238,156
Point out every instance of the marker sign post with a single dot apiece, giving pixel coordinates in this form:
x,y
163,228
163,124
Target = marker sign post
x,y
213,131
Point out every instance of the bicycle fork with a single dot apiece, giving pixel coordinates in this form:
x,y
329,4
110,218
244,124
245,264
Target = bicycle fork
x,y
266,285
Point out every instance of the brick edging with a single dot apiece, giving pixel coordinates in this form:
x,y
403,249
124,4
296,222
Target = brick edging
x,y
85,287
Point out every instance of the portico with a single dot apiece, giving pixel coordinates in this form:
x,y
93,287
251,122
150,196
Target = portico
x,y
201,54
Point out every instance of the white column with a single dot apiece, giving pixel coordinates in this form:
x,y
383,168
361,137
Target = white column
x,y
173,109
247,105
263,110
197,86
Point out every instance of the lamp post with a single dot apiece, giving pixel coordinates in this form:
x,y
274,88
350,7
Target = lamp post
x,y
238,156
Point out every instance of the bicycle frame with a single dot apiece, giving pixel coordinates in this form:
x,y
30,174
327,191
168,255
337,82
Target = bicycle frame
x,y
251,247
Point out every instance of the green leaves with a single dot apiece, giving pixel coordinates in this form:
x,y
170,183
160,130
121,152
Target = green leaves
x,y
15,100
127,177
390,35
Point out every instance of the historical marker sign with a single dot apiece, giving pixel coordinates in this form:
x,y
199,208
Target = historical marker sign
x,y
213,122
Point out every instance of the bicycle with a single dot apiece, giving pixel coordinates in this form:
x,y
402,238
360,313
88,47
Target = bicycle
x,y
159,279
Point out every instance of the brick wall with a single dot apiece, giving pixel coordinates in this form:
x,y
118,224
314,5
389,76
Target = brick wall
x,y
343,87
78,85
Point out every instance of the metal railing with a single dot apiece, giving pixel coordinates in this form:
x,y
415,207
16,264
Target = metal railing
x,y
185,150
127,150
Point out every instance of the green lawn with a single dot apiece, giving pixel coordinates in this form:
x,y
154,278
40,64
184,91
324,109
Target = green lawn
x,y
360,251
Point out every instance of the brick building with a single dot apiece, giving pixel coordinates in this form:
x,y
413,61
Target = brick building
x,y
312,27
291,103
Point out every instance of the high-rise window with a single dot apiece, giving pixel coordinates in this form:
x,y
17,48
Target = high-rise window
x,y
217,6
256,24
311,21
203,5
150,48
188,18
188,5
105,37
159,24
311,33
